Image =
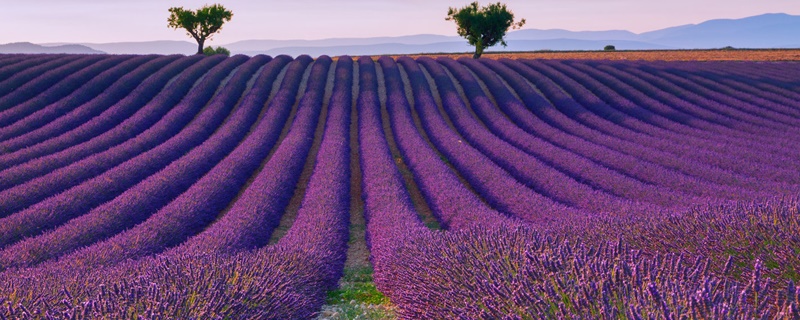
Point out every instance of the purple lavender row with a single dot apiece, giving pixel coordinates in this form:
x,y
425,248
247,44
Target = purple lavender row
x,y
23,63
774,155
112,116
251,284
576,165
776,102
318,237
160,112
756,76
250,221
44,92
539,117
453,205
287,280
111,182
748,104
389,212
717,102
604,118
185,215
516,273
727,145
527,169
506,272
85,103
136,204
501,190
661,102
33,80
775,76
750,149
621,96
692,102
665,152
175,203
753,153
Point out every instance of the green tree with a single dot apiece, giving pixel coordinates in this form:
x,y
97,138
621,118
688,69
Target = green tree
x,y
483,27
201,24
210,51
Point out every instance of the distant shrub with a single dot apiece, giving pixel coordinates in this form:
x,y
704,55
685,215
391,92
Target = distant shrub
x,y
210,51
610,48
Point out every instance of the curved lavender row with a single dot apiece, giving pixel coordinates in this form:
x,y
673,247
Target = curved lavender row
x,y
84,196
89,101
160,118
23,63
136,101
525,168
138,203
494,184
389,212
779,73
686,101
749,104
780,98
585,169
183,216
621,96
755,76
768,154
606,119
506,272
250,221
538,117
734,154
32,81
607,88
688,176
105,73
319,233
658,101
716,102
528,274
453,205
8,59
74,78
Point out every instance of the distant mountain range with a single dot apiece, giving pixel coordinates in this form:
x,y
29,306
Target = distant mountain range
x,y
776,30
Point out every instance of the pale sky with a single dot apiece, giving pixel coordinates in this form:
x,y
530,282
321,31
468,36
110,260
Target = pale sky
x,y
47,21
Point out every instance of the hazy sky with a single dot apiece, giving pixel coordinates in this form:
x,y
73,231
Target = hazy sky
x,y
43,21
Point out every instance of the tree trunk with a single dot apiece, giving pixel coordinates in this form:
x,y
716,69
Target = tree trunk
x,y
200,43
478,52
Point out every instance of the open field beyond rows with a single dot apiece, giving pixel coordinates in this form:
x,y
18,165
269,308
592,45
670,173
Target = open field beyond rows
x,y
575,186
651,55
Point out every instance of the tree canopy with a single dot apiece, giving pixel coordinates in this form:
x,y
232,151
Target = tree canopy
x,y
201,24
483,27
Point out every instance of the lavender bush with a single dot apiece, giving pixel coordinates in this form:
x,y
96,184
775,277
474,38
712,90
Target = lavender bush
x,y
152,187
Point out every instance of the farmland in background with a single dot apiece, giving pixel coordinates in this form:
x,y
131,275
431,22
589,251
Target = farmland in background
x,y
248,187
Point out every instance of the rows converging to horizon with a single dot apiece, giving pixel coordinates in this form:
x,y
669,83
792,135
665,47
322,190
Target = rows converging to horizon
x,y
227,186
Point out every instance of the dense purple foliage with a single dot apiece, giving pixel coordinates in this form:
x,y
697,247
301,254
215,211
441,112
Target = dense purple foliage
x,y
154,186
22,133
159,115
110,117
100,189
63,82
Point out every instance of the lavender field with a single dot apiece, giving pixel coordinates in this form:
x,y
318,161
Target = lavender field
x,y
209,187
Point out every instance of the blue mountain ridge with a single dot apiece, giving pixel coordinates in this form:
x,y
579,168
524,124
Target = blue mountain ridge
x,y
773,30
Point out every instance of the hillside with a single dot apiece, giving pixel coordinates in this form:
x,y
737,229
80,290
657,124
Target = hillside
x,y
267,187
